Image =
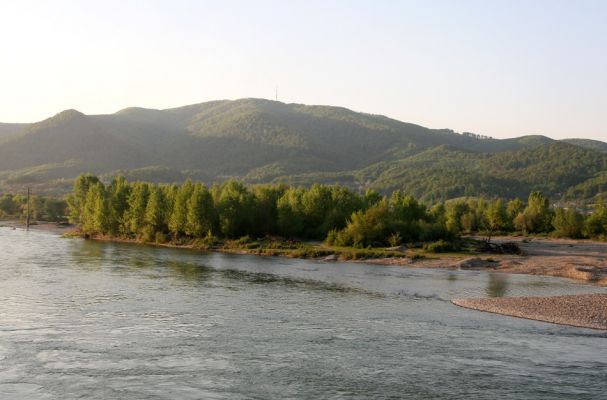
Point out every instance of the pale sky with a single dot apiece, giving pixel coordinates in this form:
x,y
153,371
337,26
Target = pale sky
x,y
498,68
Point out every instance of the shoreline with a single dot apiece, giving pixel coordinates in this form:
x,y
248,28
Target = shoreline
x,y
54,227
587,269
583,261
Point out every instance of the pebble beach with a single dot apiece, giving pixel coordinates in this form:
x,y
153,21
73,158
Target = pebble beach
x,y
586,311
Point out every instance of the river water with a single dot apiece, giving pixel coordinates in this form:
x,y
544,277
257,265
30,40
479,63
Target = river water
x,y
90,320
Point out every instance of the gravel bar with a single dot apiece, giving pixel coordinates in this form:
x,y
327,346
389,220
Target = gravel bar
x,y
584,310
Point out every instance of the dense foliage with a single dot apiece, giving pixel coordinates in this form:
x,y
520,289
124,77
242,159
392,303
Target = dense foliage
x,y
41,208
193,211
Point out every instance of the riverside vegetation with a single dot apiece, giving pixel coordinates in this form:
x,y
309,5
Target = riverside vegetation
x,y
281,219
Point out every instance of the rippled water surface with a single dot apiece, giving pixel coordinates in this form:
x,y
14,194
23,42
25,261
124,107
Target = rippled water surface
x,y
81,319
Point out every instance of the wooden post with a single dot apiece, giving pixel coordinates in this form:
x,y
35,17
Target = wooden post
x,y
27,217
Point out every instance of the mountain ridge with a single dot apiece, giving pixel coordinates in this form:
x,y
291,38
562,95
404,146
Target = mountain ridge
x,y
259,140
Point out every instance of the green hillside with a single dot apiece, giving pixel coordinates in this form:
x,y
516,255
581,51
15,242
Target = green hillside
x,y
267,141
588,144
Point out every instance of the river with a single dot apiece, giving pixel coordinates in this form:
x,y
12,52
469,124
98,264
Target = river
x,y
93,320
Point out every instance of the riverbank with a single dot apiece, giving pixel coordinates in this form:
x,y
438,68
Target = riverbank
x,y
54,227
583,310
580,260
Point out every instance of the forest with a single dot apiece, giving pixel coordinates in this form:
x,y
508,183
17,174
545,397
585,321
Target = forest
x,y
334,214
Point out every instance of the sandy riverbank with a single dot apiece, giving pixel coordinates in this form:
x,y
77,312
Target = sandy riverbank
x,y
583,260
586,310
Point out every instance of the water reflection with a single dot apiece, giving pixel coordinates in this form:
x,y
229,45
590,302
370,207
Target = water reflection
x,y
452,277
188,271
86,254
497,285
308,284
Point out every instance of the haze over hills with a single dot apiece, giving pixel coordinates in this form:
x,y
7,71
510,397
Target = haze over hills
x,y
267,141
9,129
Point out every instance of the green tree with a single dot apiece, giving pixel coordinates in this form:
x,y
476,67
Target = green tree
x,y
54,209
343,203
371,198
407,213
468,222
291,220
8,207
316,206
454,212
496,217
36,208
368,227
118,191
179,210
537,214
514,208
137,205
154,217
94,212
266,208
596,222
76,200
201,212
568,223
235,207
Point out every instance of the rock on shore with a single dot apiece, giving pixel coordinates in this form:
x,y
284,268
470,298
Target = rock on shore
x,y
586,310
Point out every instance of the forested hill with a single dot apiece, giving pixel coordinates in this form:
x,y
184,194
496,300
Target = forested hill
x,y
588,143
267,141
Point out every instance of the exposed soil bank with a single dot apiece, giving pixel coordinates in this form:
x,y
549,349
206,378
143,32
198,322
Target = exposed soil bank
x,y
586,310
583,260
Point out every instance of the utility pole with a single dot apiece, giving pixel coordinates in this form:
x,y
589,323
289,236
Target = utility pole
x,y
27,217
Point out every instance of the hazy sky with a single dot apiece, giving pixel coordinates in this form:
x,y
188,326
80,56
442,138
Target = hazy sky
x,y
499,68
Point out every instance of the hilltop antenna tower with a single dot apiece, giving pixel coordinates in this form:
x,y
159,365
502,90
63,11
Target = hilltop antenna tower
x,y
276,93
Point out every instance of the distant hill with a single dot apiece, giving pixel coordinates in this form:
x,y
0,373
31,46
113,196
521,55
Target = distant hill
x,y
6,130
588,144
267,141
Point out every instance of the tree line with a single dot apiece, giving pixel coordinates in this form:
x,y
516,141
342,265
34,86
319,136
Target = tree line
x,y
41,208
191,211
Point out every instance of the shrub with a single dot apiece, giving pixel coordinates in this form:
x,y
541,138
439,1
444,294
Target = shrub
x,y
161,237
148,234
243,240
395,239
441,246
